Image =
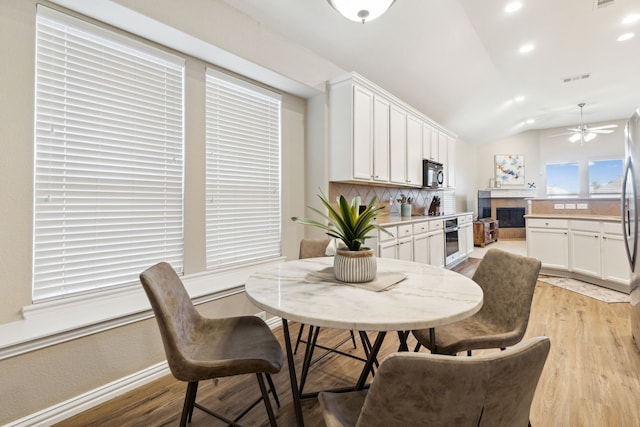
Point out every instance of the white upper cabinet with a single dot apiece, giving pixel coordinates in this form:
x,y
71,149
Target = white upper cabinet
x,y
375,137
450,167
398,144
426,141
362,133
381,108
414,151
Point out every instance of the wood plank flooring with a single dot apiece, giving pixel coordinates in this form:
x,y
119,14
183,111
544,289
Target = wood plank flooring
x,y
591,379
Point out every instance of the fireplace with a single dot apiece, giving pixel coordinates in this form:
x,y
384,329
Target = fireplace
x,y
510,217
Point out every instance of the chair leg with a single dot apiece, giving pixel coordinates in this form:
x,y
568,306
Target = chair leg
x,y
189,401
417,349
272,387
468,352
267,402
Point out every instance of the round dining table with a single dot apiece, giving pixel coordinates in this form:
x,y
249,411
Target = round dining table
x,y
404,296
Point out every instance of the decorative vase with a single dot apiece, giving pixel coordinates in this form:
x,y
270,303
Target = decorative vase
x,y
354,266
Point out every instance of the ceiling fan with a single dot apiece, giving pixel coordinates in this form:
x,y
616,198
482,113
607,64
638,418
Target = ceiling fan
x,y
583,133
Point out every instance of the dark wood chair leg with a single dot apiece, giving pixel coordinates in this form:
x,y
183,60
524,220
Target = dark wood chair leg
x,y
267,401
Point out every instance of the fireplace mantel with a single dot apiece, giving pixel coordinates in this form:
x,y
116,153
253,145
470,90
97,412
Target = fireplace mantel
x,y
509,193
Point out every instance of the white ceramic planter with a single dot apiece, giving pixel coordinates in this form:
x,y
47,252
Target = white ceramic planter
x,y
354,266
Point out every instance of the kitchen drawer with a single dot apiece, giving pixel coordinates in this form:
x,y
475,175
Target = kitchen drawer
x,y
384,237
612,228
593,226
547,223
405,231
462,219
421,227
436,225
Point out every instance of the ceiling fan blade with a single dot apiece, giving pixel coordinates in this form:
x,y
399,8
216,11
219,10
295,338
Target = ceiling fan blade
x,y
603,127
560,134
601,131
575,129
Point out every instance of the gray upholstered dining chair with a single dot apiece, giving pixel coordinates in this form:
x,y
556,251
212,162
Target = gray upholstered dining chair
x,y
422,389
199,348
507,281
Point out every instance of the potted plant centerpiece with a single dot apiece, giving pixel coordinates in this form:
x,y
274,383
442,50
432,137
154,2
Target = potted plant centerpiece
x,y
353,262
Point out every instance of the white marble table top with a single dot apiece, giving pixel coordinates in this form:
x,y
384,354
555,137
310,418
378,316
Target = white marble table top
x,y
429,297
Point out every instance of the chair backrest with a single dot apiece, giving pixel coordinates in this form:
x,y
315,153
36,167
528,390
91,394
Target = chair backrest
x,y
313,248
495,389
508,281
174,311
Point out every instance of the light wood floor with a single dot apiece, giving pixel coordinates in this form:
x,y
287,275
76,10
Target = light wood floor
x,y
591,378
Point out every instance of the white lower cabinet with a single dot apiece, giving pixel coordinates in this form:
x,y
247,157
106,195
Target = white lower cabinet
x,y
548,241
421,248
587,248
465,234
436,248
405,249
615,267
585,251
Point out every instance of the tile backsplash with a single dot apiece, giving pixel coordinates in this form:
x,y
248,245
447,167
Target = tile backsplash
x,y
419,206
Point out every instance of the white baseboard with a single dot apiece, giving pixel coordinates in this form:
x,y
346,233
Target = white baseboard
x,y
95,397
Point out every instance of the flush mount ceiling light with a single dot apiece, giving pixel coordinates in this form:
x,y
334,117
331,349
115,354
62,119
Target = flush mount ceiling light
x,y
625,36
631,19
527,48
512,7
361,10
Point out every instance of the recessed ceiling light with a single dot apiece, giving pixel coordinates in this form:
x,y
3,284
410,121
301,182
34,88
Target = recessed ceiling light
x,y
527,48
512,7
530,121
631,18
519,98
626,36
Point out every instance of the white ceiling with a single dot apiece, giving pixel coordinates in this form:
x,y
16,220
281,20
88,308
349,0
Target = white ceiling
x,y
457,61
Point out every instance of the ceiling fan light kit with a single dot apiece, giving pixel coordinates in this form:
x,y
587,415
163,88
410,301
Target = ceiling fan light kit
x,y
585,134
361,10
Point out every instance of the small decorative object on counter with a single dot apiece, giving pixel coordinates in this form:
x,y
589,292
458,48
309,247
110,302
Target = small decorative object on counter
x,y
434,207
353,263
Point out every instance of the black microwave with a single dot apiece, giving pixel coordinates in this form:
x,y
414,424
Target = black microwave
x,y
432,174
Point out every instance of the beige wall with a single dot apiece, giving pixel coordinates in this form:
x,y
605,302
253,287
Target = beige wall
x,y
39,379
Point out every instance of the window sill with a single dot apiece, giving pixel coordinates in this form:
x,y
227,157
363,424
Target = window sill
x,y
53,322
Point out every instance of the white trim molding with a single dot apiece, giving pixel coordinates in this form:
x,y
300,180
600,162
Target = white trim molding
x,y
53,322
95,397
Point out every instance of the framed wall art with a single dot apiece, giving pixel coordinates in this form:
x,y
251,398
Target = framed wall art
x,y
509,169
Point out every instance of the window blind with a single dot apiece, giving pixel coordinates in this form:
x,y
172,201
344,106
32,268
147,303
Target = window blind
x,y
243,217
108,157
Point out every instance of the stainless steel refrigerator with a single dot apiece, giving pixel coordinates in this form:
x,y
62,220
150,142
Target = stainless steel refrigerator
x,y
630,204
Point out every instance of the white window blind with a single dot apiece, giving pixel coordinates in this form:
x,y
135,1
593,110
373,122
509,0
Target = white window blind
x,y
243,216
108,157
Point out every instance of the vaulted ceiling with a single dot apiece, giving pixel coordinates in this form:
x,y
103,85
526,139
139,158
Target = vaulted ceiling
x,y
458,61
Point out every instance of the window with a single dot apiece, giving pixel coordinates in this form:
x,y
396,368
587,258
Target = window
x,y
605,177
108,157
243,218
562,179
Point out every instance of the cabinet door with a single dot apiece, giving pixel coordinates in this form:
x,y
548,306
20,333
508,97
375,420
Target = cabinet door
x,y
388,250
362,133
434,144
469,238
450,169
585,252
426,141
436,249
414,151
615,266
462,240
421,248
405,249
550,246
443,152
398,144
381,139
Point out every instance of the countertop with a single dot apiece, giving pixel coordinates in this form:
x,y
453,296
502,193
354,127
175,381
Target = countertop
x,y
577,216
385,220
